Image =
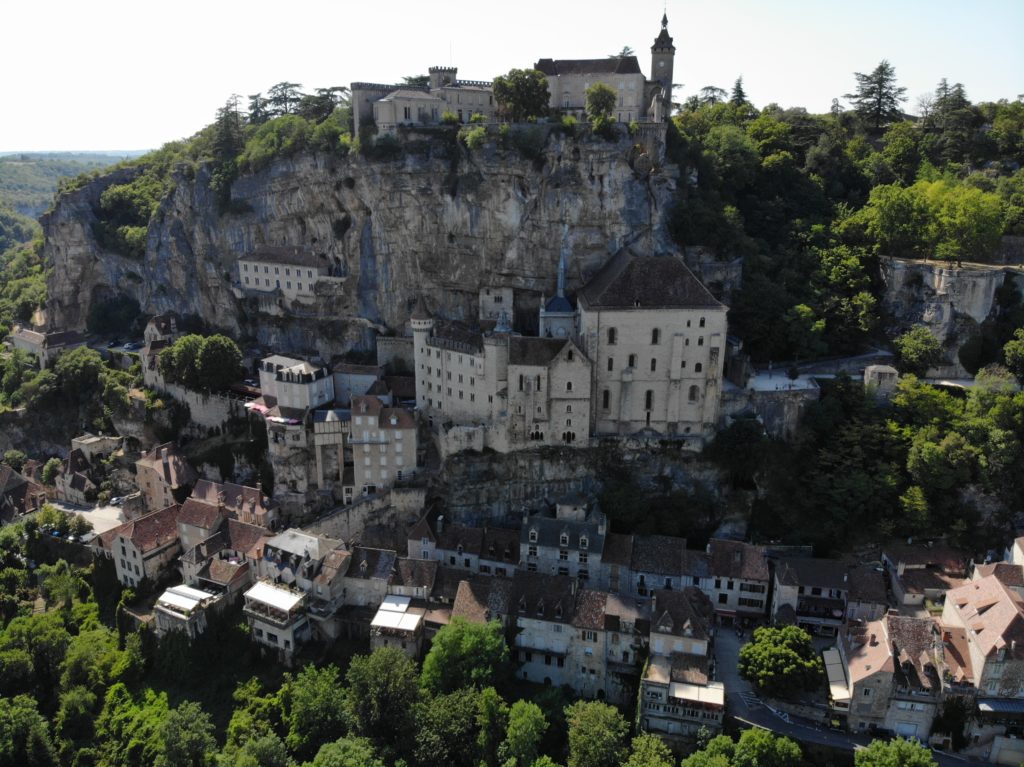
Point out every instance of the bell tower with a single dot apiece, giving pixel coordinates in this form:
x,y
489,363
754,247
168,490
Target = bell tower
x,y
663,55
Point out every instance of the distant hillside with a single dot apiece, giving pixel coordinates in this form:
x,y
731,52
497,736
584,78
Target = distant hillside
x,y
28,180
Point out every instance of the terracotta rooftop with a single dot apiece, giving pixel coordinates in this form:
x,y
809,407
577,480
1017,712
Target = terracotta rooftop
x,y
480,599
236,499
681,613
867,584
198,514
735,559
1007,574
248,539
994,614
415,573
937,555
151,531
170,464
589,609
224,571
690,669
918,581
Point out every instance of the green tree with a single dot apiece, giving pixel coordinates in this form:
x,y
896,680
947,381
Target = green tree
x,y
522,94
877,98
263,751
649,751
417,80
781,661
317,712
917,350
894,753
79,372
446,730
50,470
383,688
219,363
1013,354
76,715
24,737
738,97
259,109
15,459
492,724
284,97
600,101
465,654
760,748
186,737
526,727
348,752
597,735
901,151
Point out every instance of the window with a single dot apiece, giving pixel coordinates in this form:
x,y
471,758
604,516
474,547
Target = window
x,y
694,393
533,536
702,322
723,599
583,542
589,636
583,557
568,385
698,367
632,360
605,399
700,340
612,335
611,364
649,400
655,336
654,365
568,356
531,551
563,555
522,382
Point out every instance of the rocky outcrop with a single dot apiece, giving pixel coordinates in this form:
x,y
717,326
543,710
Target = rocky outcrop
x,y
440,220
952,302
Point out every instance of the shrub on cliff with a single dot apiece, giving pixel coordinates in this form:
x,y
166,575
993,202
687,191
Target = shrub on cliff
x,y
280,137
473,138
206,364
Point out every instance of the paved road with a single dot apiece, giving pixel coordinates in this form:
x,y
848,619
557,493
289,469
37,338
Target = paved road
x,y
743,705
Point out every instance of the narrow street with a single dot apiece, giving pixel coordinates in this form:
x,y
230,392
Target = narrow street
x,y
743,705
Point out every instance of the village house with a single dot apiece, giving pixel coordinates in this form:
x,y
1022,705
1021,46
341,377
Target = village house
x,y
892,672
738,580
608,636
143,547
678,694
544,606
162,327
45,347
351,380
569,543
294,384
96,446
867,598
277,618
18,495
383,445
226,561
294,557
246,504
922,571
1010,575
481,599
164,476
73,482
484,550
289,271
811,594
183,608
398,623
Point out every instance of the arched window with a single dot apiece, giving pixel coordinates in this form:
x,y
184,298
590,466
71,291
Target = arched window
x,y
702,322
694,393
568,408
648,400
632,360
606,399
698,367
568,385
700,341
611,364
568,356
655,336
654,365
612,336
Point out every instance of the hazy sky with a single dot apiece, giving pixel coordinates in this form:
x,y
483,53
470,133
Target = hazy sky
x,y
132,74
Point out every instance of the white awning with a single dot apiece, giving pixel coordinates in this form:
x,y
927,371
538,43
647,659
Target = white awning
x,y
396,604
837,687
713,693
180,601
389,619
274,596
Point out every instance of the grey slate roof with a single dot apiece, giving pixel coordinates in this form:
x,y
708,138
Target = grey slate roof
x,y
629,281
613,65
550,529
537,352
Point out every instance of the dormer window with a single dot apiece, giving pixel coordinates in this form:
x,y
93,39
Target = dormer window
x,y
558,610
563,539
583,541
540,607
533,535
458,549
522,604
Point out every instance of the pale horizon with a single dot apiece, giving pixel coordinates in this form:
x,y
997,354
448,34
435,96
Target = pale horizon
x,y
115,73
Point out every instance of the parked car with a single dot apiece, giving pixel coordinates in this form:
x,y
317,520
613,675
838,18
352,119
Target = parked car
x,y
252,382
113,343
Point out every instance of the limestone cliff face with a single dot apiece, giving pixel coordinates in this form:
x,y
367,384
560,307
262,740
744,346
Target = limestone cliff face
x,y
951,301
440,220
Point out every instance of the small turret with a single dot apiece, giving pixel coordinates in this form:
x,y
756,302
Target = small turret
x,y
663,54
420,319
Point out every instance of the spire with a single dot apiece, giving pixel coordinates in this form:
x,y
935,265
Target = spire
x,y
664,20
561,273
663,40
419,312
